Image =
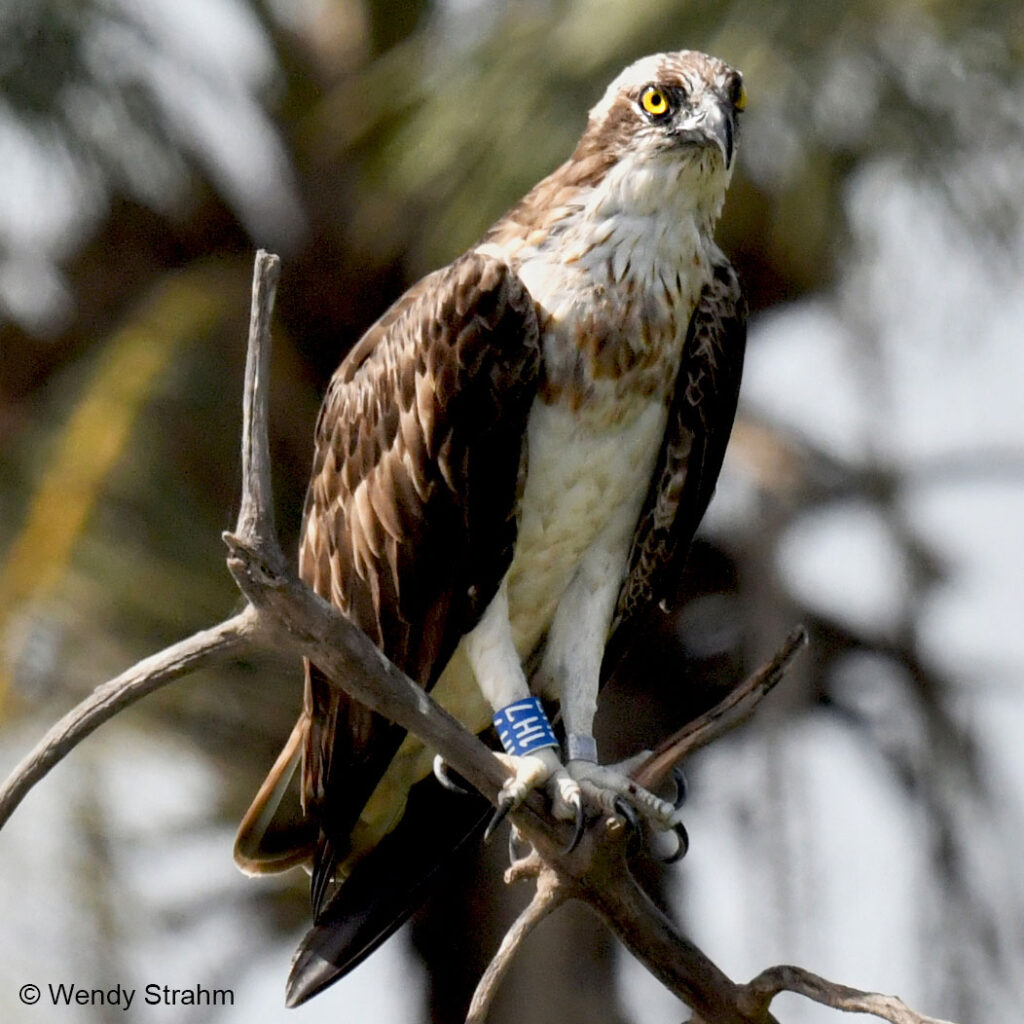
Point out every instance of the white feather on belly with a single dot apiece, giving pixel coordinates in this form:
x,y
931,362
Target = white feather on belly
x,y
580,486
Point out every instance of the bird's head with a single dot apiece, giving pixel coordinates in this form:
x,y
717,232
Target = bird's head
x,y
670,114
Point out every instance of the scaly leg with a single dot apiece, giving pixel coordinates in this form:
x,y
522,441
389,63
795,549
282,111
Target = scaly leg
x,y
499,673
571,669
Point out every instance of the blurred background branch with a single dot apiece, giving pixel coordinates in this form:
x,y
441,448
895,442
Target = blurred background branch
x,y
873,489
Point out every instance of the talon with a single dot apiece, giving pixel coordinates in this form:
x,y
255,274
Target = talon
x,y
625,810
682,788
619,794
684,844
442,776
578,826
505,804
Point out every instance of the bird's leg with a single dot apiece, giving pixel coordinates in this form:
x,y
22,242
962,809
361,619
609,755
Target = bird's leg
x,y
531,750
571,667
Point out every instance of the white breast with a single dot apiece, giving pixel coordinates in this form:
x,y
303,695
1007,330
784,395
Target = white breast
x,y
580,485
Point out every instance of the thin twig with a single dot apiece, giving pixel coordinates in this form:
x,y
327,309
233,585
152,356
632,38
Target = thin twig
x,y
758,993
207,647
548,896
735,709
256,515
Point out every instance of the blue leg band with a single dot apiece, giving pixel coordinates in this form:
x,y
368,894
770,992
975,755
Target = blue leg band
x,y
523,727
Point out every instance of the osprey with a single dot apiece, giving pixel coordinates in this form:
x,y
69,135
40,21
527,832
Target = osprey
x,y
509,468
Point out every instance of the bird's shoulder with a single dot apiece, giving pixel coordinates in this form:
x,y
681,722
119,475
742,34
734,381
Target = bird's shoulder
x,y
468,328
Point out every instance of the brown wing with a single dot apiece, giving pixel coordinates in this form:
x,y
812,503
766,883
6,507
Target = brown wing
x,y
410,518
699,424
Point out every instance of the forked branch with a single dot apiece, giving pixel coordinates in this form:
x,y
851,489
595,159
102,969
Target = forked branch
x,y
284,612
759,992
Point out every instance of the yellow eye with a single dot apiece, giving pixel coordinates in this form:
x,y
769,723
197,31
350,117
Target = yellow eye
x,y
654,101
740,103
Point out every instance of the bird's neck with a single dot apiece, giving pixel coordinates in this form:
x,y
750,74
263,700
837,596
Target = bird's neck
x,y
662,192
632,226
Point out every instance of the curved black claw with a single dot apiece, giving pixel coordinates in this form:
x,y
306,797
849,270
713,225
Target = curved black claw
x,y
577,831
442,776
682,789
625,810
684,844
505,805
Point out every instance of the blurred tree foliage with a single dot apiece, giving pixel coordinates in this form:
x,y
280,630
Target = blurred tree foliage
x,y
380,138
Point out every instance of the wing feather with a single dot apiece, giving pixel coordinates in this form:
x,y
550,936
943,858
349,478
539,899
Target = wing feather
x,y
410,518
700,421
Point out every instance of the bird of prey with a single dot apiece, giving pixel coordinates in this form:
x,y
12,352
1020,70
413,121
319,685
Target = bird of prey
x,y
509,468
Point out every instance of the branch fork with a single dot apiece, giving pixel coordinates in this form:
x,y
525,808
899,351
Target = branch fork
x,y
282,611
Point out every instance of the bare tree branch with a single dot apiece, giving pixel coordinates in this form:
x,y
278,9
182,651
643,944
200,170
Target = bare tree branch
x,y
659,945
548,897
728,713
208,647
286,613
256,514
293,616
761,990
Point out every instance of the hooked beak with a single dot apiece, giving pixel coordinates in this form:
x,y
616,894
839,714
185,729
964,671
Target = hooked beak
x,y
720,128
713,123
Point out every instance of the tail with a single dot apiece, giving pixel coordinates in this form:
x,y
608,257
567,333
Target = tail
x,y
386,886
276,834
